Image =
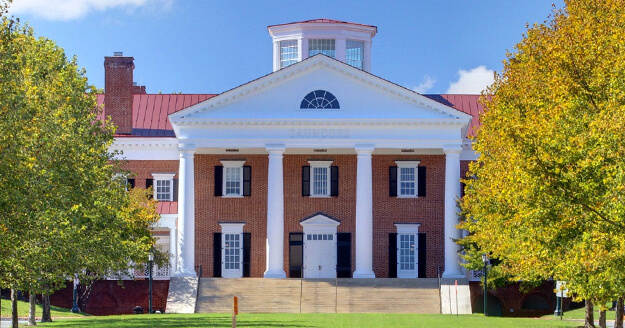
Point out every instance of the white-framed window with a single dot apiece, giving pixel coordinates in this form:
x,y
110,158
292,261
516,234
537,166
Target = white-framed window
x,y
163,186
321,46
355,53
407,250
320,178
407,178
288,53
232,249
232,178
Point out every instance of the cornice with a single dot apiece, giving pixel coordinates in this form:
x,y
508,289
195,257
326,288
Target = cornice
x,y
151,143
320,123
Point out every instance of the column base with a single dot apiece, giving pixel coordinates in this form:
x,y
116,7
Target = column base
x,y
185,273
449,274
363,274
274,274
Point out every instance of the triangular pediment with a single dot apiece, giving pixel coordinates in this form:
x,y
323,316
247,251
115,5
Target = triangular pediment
x,y
279,95
319,219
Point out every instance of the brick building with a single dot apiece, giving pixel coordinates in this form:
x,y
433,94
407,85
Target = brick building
x,y
319,169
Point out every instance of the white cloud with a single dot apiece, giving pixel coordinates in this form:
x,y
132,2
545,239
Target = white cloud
x,y
73,9
426,84
472,81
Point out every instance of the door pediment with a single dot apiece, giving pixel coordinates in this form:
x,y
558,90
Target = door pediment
x,y
319,220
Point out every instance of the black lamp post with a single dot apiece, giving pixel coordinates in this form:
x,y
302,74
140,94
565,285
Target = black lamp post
x,y
151,260
485,260
75,308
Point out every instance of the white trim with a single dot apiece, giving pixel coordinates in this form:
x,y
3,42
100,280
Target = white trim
x,y
320,164
408,164
231,228
169,177
232,164
410,229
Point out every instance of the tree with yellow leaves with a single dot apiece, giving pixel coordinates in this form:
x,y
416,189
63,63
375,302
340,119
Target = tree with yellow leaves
x,y
550,180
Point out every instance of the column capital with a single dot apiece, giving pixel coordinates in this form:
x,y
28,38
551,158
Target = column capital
x,y
275,148
186,148
364,149
452,149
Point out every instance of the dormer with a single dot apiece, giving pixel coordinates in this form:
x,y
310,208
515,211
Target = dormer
x,y
344,41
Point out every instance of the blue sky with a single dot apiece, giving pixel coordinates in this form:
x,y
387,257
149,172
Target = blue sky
x,y
209,46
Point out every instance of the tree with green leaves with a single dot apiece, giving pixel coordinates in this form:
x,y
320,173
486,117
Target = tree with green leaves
x,y
64,209
548,195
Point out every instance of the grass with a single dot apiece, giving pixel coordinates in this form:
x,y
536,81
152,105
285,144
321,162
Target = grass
x,y
581,312
283,320
22,310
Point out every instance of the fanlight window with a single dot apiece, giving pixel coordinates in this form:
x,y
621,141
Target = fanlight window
x,y
319,99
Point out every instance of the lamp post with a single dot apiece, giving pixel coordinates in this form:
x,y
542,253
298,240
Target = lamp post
x,y
151,260
75,308
485,260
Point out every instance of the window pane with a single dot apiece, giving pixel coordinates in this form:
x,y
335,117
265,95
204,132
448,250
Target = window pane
x,y
232,251
321,46
163,190
288,53
232,181
407,181
320,181
407,256
354,53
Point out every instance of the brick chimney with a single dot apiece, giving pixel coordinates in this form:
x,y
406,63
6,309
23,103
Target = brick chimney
x,y
118,90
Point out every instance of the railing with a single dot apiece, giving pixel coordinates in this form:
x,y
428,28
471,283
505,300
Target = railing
x,y
158,273
476,275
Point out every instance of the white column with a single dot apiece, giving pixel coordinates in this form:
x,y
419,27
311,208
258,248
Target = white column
x,y
172,250
452,193
185,261
275,214
364,214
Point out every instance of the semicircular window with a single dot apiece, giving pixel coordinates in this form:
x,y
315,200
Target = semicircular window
x,y
319,99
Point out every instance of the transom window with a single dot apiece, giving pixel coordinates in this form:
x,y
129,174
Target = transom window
x,y
233,178
354,53
288,53
320,99
320,236
320,178
321,46
407,178
163,186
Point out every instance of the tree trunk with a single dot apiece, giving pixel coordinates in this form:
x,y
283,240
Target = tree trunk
x,y
13,308
32,320
589,320
602,323
45,303
618,314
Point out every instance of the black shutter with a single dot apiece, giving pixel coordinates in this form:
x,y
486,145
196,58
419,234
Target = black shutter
x,y
175,190
130,183
219,174
422,256
247,245
462,186
392,181
421,178
305,180
392,255
217,254
148,184
247,181
334,180
296,254
343,255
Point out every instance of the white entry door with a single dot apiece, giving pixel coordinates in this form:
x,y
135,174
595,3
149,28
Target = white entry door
x,y
320,255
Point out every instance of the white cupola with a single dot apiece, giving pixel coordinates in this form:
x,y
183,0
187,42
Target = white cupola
x,y
347,42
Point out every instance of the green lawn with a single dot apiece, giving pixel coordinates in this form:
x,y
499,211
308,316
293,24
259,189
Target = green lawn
x,y
310,321
22,310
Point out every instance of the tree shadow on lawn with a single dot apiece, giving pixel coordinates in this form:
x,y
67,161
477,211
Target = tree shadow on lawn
x,y
165,322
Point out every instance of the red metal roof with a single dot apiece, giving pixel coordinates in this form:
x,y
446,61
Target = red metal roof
x,y
149,111
468,104
324,20
167,207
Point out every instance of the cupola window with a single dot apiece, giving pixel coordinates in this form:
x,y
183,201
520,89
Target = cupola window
x,y
321,46
320,99
354,53
288,53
